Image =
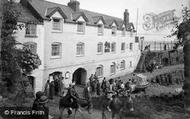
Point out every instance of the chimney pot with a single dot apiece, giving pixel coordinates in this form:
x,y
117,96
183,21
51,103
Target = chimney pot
x,y
126,17
74,5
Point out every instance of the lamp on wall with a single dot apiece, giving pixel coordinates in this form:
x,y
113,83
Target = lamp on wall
x,y
67,75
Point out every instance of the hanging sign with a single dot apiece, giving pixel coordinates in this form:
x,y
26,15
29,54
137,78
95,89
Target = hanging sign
x,y
160,21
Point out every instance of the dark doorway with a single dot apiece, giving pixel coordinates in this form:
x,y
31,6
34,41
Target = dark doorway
x,y
32,81
165,61
79,76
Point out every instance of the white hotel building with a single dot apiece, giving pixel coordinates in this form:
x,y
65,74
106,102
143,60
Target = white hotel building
x,y
77,42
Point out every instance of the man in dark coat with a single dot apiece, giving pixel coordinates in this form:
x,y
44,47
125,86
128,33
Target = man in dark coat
x,y
104,86
72,96
36,101
51,89
87,95
106,101
41,105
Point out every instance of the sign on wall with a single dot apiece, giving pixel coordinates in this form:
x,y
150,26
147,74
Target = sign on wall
x,y
159,21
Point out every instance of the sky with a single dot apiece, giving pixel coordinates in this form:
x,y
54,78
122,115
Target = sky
x,y
117,7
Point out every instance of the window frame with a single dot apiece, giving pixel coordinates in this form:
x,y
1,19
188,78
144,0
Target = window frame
x,y
60,47
107,47
122,67
28,30
131,46
114,30
114,67
60,24
100,29
101,71
82,52
123,32
79,31
113,49
123,47
100,44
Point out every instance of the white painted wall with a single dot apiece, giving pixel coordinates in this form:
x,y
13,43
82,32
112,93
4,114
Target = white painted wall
x,y
68,61
38,73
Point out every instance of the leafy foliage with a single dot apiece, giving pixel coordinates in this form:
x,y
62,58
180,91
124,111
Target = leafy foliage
x,y
182,28
15,61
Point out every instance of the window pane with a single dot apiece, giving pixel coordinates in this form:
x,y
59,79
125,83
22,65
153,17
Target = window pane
x,y
80,27
113,68
99,71
122,65
131,46
114,29
100,29
122,46
107,47
56,49
31,29
56,24
123,32
100,47
80,49
113,47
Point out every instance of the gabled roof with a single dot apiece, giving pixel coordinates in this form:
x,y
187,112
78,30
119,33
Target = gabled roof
x,y
77,15
96,19
51,11
46,9
130,27
114,21
26,15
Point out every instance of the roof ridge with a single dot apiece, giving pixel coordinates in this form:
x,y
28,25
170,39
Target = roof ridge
x,y
53,3
83,10
103,14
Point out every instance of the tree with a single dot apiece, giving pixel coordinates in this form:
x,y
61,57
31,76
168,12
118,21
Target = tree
x,y
17,63
183,35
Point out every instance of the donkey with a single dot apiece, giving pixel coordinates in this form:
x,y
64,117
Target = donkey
x,y
64,103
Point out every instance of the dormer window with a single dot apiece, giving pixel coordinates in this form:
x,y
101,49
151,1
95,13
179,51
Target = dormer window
x,y
57,24
114,30
81,27
123,31
100,29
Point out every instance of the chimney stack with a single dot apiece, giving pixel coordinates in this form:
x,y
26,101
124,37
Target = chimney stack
x,y
126,17
74,5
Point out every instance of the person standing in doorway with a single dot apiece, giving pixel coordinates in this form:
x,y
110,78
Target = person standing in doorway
x,y
51,88
47,88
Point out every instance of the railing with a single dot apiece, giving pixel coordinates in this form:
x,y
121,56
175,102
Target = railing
x,y
158,45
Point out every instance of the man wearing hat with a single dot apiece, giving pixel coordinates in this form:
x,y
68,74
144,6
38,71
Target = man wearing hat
x,y
87,95
40,105
106,104
72,95
36,101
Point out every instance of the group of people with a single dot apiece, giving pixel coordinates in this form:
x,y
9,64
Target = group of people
x,y
54,86
107,88
115,86
168,79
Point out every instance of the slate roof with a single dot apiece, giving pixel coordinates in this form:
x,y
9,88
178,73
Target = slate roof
x,y
43,8
26,16
51,11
